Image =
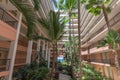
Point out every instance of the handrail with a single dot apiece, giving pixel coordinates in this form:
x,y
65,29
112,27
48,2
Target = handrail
x,y
4,64
110,61
100,17
7,18
105,26
11,20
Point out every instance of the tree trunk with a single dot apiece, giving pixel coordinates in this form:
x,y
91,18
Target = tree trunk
x,y
72,66
56,54
79,42
117,63
70,32
53,63
106,16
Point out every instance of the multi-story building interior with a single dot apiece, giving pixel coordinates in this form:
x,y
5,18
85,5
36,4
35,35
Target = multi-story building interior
x,y
16,50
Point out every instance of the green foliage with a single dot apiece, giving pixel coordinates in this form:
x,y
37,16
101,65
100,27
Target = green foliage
x,y
54,26
112,38
29,13
33,71
95,6
73,45
36,4
90,73
65,4
58,4
2,78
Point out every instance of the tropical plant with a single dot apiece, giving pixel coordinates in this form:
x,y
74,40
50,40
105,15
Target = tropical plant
x,y
58,4
113,40
90,73
33,71
54,26
67,6
97,6
72,58
2,78
112,37
29,12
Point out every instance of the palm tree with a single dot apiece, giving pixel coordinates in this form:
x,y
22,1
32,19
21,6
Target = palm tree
x,y
113,39
96,7
79,41
54,27
29,12
67,6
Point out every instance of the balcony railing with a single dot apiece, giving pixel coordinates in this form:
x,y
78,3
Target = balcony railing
x,y
4,64
104,61
112,22
7,18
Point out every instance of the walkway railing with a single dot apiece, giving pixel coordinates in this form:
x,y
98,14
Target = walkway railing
x,y
104,61
4,64
112,22
7,18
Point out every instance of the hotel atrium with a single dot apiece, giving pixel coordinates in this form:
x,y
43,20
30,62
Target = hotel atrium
x,y
59,39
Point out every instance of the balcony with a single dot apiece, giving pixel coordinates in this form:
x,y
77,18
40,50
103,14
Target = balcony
x,y
103,30
4,64
20,62
107,62
8,25
96,50
7,18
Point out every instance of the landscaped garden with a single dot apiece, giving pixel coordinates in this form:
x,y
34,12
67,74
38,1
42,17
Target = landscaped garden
x,y
53,26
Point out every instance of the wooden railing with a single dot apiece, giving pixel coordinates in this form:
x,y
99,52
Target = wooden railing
x,y
7,18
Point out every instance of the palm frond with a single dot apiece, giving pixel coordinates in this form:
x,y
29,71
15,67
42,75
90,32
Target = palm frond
x,y
55,3
112,38
36,37
54,25
70,4
36,4
58,4
28,11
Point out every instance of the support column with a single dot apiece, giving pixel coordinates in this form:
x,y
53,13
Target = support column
x,y
29,52
43,48
49,51
38,51
13,48
46,55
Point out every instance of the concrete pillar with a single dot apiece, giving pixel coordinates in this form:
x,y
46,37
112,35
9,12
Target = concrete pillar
x,y
49,51
46,55
29,52
43,50
13,48
38,51
38,45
